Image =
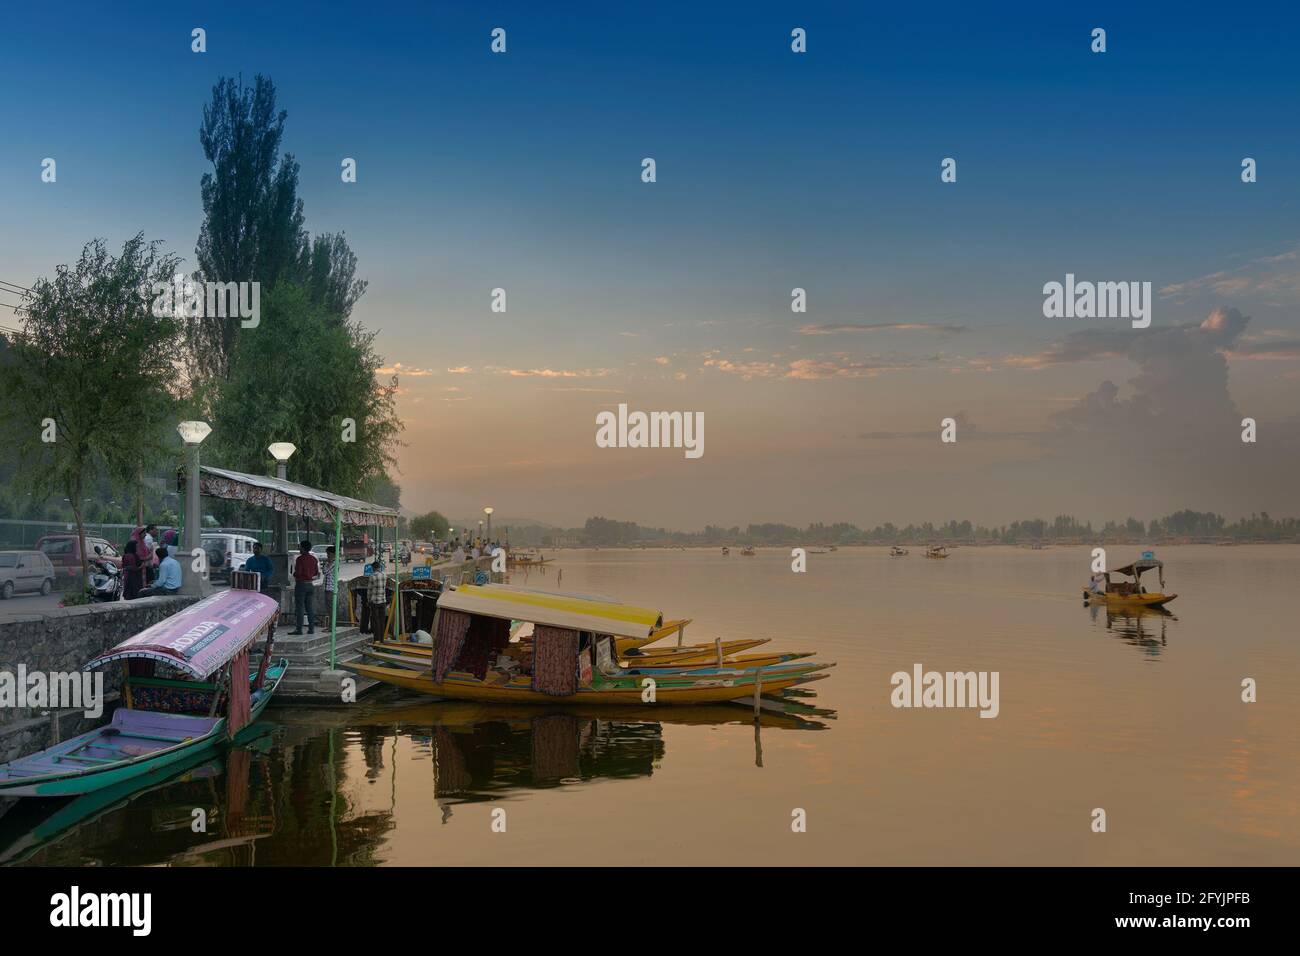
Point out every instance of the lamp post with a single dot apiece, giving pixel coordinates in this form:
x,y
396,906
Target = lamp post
x,y
282,451
193,433
488,512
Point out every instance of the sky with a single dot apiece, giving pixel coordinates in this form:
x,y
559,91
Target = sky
x,y
775,170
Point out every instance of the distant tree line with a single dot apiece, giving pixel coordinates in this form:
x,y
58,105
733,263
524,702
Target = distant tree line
x,y
1181,525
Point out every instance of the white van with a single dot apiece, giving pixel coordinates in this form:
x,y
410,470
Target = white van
x,y
227,552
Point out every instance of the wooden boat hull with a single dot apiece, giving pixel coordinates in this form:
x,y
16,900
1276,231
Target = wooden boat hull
x,y
620,692
78,780
1145,599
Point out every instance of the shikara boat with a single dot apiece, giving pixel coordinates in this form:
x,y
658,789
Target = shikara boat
x,y
747,552
897,552
526,559
726,551
573,657
689,654
1129,593
939,551
173,709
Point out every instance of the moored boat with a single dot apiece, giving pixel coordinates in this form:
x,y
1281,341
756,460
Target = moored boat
x,y
937,551
573,657
172,709
897,552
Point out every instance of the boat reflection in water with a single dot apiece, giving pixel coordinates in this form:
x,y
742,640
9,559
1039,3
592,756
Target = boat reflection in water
x,y
300,794
71,832
1143,627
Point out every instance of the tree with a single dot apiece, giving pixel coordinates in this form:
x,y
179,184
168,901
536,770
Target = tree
x,y
327,270
300,378
85,388
429,526
253,222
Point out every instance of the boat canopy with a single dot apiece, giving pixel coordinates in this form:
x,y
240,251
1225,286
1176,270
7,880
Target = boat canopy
x,y
204,637
555,610
1140,566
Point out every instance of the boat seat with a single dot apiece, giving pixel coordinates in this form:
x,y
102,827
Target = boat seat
x,y
153,724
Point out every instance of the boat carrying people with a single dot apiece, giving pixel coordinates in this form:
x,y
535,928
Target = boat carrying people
x,y
186,689
1129,593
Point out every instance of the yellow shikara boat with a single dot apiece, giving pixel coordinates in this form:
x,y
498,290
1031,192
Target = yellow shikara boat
x,y
651,657
574,657
1125,593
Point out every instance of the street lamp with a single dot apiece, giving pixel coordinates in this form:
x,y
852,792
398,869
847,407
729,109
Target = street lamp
x,y
193,433
282,451
488,512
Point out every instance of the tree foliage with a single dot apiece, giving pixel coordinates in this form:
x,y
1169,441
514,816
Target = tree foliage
x,y
428,526
93,368
299,378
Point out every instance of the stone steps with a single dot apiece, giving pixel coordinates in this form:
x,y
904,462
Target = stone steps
x,y
309,680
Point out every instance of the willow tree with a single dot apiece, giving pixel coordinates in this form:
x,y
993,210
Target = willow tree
x,y
88,387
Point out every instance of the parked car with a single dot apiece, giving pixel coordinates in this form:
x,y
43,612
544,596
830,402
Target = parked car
x,y
25,572
227,551
64,552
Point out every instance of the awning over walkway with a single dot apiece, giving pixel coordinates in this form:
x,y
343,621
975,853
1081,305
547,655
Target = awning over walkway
x,y
292,498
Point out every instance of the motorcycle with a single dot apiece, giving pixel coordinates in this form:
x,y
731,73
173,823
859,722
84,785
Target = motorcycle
x,y
105,581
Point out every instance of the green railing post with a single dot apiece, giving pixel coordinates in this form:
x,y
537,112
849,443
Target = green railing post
x,y
334,605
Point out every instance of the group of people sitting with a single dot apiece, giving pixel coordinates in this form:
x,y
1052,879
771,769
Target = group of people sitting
x,y
149,566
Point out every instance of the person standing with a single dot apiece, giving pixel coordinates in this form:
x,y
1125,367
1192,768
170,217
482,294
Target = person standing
x,y
132,570
150,554
377,598
328,571
305,570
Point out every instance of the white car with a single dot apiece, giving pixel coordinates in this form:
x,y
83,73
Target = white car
x,y
227,551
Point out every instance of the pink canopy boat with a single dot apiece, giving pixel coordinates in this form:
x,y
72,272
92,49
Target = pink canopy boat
x,y
166,720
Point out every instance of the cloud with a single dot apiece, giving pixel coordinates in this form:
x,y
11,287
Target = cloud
x,y
1179,404
1273,280
552,372
882,327
1220,330
461,370
399,369
810,369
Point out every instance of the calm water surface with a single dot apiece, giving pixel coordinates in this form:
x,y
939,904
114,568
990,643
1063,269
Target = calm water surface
x,y
1141,716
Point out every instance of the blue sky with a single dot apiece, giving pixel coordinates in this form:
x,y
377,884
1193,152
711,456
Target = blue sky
x,y
775,170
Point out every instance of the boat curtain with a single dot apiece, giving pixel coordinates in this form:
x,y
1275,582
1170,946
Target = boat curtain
x,y
453,626
238,711
488,637
555,660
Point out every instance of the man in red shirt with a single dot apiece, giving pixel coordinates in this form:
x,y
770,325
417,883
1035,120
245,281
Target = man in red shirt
x,y
305,571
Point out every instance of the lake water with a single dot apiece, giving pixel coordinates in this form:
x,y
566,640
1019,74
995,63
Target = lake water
x,y
1140,716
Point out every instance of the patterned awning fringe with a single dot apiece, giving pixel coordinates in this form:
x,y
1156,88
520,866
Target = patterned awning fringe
x,y
291,498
